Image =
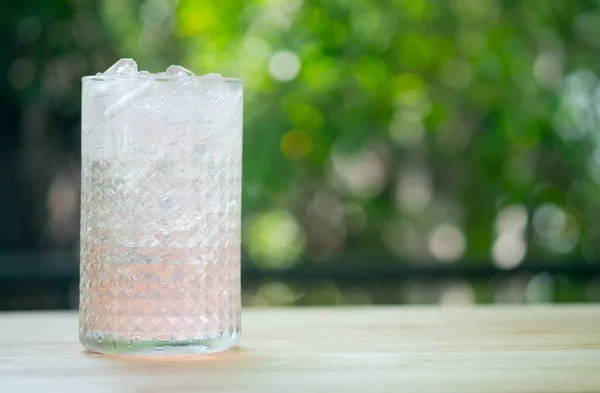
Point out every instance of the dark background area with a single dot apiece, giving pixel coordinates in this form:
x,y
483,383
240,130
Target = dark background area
x,y
395,151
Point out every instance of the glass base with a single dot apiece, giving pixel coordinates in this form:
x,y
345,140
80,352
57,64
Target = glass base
x,y
103,342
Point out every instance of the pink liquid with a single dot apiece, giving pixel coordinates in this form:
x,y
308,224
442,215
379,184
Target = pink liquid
x,y
164,302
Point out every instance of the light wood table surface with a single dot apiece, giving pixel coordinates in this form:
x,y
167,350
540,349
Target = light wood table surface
x,y
371,349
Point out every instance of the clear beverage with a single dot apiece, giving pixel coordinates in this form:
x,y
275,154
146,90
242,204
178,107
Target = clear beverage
x,y
160,212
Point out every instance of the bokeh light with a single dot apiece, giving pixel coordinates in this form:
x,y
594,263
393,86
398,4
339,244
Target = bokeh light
x,y
413,192
540,289
509,250
296,144
510,246
548,68
361,175
458,293
557,230
29,30
155,12
62,207
447,242
21,74
284,65
405,239
275,240
274,294
456,74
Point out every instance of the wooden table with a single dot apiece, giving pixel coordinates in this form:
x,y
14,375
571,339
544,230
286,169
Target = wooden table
x,y
367,350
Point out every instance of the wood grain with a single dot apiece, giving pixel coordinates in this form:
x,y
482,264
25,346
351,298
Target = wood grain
x,y
371,349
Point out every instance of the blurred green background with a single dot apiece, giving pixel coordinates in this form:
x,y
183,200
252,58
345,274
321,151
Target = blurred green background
x,y
395,151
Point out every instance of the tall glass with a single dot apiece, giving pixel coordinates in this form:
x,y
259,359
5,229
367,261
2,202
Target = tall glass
x,y
160,214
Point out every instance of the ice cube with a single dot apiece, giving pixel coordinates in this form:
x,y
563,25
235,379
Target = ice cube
x,y
125,99
178,71
212,75
123,67
144,72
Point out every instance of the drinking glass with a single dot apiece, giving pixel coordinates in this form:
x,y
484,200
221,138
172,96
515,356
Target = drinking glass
x,y
160,213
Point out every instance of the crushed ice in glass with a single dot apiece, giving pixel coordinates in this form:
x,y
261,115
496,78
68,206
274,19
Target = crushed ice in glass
x,y
128,67
179,71
131,90
123,67
212,75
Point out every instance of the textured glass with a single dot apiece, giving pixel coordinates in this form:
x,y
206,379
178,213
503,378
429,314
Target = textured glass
x,y
160,214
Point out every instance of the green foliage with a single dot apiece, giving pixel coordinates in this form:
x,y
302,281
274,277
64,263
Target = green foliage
x,y
466,98
387,127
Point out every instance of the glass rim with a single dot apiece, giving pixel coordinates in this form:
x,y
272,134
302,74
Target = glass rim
x,y
159,77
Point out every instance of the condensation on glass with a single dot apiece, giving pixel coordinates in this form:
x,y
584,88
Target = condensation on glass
x,y
160,214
